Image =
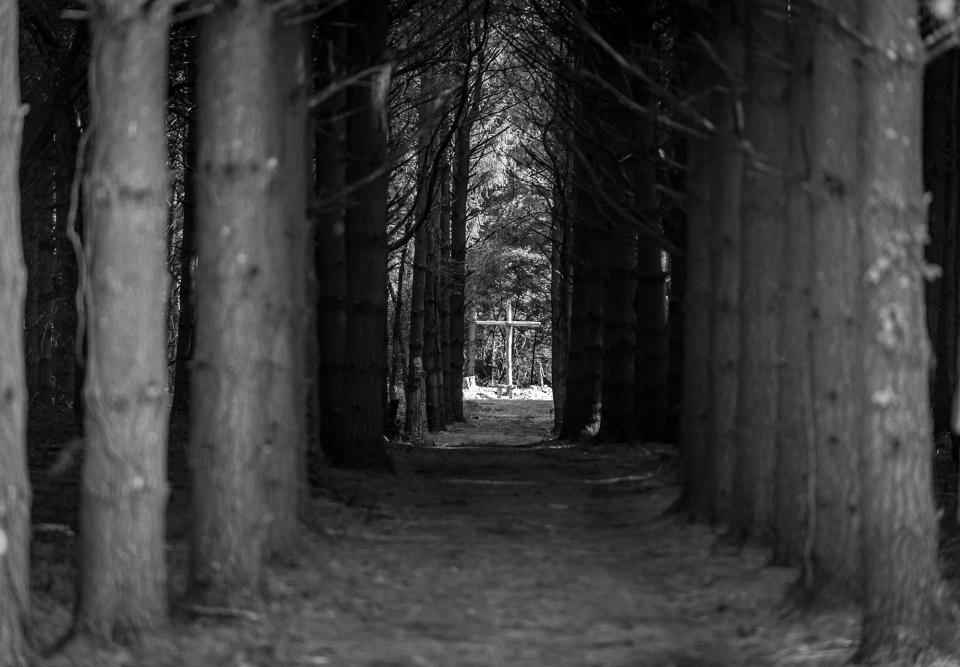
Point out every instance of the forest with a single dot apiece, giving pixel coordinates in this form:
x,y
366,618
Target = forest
x,y
479,332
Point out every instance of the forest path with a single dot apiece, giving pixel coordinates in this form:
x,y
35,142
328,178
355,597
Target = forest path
x,y
496,547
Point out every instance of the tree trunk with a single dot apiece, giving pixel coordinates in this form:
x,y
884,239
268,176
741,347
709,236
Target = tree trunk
x,y
561,233
652,363
288,383
431,324
458,271
123,582
904,611
237,207
449,395
794,409
364,394
695,409
470,361
14,484
763,212
418,286
331,252
835,276
728,164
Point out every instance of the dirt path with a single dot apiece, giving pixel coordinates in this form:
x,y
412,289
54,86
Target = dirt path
x,y
490,549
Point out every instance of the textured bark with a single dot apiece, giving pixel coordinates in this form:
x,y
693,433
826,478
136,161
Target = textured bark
x,y
330,252
581,409
560,298
794,410
364,392
238,196
763,213
653,355
652,362
14,485
728,163
458,271
695,409
447,392
431,325
835,276
287,383
904,607
418,286
122,583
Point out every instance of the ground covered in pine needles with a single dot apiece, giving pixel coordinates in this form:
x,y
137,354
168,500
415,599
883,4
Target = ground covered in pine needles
x,y
491,546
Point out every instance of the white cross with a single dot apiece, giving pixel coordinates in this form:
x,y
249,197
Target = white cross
x,y
510,323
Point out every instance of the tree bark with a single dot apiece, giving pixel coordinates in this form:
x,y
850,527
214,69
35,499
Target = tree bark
x,y
331,251
14,485
237,206
763,212
458,256
835,276
695,409
904,607
364,391
122,586
725,249
794,440
289,384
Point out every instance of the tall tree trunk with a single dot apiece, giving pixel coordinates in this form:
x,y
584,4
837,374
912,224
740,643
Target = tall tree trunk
x,y
581,410
458,270
288,381
561,233
237,206
728,163
418,287
835,276
431,324
652,363
763,212
364,394
449,396
904,608
123,583
14,484
794,409
396,340
330,250
695,410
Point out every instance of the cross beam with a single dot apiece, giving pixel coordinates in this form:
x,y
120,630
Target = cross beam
x,y
509,324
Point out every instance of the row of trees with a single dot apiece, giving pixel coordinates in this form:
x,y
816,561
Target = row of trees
x,y
372,145
806,419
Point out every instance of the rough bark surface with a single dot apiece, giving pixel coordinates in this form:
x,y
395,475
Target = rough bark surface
x,y
237,207
364,391
695,410
764,210
727,163
835,276
904,611
123,583
14,486
288,381
794,411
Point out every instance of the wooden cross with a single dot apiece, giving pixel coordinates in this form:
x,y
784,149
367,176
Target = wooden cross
x,y
509,324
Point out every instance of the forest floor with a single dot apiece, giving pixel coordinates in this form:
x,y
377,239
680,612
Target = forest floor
x,y
490,546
